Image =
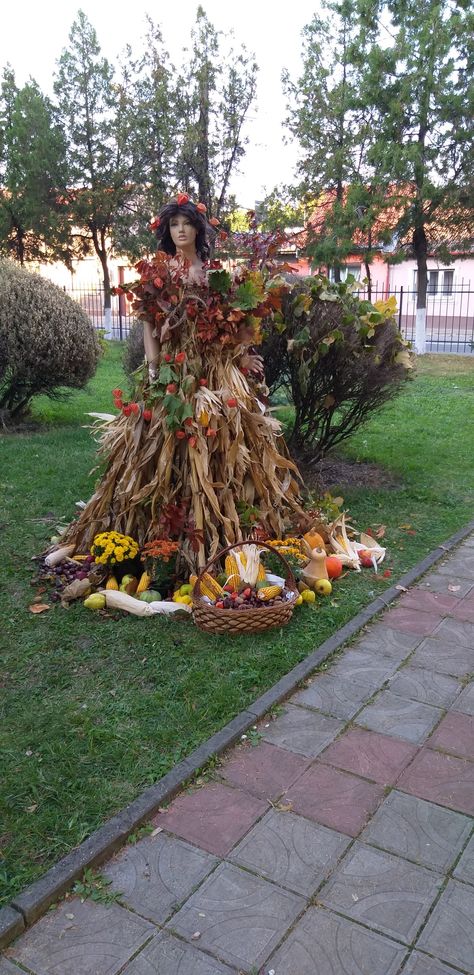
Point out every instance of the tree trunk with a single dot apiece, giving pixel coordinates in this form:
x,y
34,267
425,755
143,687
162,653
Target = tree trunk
x,y
369,279
420,249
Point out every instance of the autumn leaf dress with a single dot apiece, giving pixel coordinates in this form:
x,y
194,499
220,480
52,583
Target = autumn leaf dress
x,y
195,457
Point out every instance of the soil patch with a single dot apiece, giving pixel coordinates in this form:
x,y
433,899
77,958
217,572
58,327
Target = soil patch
x,y
339,472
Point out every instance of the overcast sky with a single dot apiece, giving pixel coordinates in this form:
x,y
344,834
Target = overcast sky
x,y
33,34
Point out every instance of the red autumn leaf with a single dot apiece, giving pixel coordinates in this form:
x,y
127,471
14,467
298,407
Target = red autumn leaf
x,y
386,574
39,607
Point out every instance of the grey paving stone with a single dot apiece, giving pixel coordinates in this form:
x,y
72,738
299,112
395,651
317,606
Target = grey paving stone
x,y
444,657
388,642
449,933
439,582
166,955
425,686
465,701
455,631
418,830
398,716
11,924
82,939
465,868
383,891
324,944
365,667
291,850
239,917
461,566
334,695
8,968
419,964
156,874
303,731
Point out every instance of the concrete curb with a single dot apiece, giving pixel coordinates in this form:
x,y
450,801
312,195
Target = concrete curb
x,y
32,902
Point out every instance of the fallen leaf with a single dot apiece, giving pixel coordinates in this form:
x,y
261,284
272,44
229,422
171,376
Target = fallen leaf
x,y
39,607
328,401
386,574
284,806
402,588
70,917
195,936
33,808
159,829
380,531
454,588
404,528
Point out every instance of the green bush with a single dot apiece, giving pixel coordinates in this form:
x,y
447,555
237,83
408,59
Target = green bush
x,y
47,342
339,358
134,352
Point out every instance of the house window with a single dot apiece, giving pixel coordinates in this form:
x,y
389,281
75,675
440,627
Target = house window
x,y
354,269
438,283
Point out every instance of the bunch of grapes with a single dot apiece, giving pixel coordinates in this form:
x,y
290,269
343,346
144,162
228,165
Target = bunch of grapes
x,y
62,574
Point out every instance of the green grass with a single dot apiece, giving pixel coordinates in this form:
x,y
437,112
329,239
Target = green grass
x,y
95,709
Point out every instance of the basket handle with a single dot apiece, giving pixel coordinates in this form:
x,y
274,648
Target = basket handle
x,y
289,571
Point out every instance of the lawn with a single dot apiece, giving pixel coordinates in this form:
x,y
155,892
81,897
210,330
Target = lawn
x,y
95,709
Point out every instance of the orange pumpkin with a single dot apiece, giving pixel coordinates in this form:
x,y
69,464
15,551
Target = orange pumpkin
x,y
314,540
334,566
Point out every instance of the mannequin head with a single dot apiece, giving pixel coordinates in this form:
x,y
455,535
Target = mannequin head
x,y
183,229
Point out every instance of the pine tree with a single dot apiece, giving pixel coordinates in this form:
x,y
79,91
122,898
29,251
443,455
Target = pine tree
x,y
214,94
96,106
34,223
422,85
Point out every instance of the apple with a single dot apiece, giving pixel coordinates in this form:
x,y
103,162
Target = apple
x,y
323,587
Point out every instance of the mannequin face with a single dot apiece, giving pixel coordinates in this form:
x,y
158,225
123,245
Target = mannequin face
x,y
183,234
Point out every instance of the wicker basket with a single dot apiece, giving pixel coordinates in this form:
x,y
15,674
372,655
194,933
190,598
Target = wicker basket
x,y
256,619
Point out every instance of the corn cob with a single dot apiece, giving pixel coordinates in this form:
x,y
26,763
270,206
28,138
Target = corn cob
x,y
144,582
234,581
210,587
262,575
192,581
112,584
231,566
269,592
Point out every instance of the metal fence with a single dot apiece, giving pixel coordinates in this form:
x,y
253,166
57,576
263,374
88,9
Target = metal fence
x,y
449,316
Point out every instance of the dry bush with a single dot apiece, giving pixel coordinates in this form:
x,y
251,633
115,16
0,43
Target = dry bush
x,y
47,342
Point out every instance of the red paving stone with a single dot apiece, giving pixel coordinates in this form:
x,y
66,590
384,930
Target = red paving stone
x,y
412,621
464,610
455,734
428,602
264,770
444,779
335,799
373,756
213,818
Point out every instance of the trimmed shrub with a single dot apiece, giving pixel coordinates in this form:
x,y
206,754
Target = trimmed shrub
x,y
340,358
134,352
47,342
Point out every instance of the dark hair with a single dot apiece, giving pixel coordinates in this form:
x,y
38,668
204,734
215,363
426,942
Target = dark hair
x,y
198,221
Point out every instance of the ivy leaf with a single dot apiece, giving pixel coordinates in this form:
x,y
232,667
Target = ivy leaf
x,y
167,375
247,296
220,281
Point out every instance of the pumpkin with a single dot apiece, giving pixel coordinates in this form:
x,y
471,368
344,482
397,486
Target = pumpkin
x,y
333,566
314,540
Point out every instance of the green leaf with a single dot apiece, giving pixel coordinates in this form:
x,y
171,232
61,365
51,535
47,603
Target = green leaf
x,y
220,281
167,374
247,296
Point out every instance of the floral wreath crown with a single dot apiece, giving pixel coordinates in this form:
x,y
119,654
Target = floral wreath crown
x,y
181,200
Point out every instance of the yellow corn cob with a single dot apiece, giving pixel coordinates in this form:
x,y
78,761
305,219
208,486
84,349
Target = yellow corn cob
x,y
204,418
231,566
262,575
243,559
234,581
112,584
210,587
144,582
269,592
192,581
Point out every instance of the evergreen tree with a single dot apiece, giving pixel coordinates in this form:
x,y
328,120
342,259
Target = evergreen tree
x,y
424,145
335,130
33,216
96,106
214,94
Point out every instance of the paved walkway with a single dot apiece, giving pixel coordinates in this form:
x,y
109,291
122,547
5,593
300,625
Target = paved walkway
x,y
340,843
